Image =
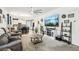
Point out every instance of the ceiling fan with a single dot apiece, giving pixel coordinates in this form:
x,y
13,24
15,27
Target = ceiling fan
x,y
37,11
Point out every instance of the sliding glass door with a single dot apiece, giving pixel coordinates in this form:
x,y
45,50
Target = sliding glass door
x,y
29,24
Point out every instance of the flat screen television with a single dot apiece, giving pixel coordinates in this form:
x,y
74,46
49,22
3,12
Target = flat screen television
x,y
52,21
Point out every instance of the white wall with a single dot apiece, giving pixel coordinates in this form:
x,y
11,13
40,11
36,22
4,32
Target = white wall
x,y
75,29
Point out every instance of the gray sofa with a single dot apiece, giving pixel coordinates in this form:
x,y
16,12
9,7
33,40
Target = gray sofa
x,y
10,43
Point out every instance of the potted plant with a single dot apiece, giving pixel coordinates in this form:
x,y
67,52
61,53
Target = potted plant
x,y
36,30
42,29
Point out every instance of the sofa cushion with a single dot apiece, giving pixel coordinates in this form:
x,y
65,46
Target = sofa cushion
x,y
3,39
10,44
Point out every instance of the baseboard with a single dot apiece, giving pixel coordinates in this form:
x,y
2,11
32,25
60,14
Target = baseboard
x,y
59,39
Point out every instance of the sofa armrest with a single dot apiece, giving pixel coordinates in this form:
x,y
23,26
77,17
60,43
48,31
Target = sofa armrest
x,y
10,44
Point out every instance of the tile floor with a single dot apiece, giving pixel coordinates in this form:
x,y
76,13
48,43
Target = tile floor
x,y
48,44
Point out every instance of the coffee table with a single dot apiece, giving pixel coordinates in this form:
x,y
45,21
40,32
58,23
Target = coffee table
x,y
37,38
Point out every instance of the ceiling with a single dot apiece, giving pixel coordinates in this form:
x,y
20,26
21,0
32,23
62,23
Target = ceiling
x,y
28,11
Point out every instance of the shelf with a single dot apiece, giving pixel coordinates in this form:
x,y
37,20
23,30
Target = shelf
x,y
66,30
66,36
65,26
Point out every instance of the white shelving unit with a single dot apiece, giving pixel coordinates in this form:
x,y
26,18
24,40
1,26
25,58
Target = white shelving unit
x,y
66,32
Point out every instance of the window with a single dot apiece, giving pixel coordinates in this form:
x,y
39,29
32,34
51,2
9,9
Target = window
x,y
8,19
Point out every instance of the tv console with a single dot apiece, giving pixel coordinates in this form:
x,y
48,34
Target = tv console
x,y
50,31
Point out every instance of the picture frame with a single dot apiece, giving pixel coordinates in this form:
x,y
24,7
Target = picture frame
x,y
71,15
66,21
63,16
15,18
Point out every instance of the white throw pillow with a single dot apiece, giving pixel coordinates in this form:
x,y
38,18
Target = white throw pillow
x,y
1,32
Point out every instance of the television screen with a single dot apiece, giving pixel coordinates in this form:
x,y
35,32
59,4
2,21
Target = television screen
x,y
52,20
